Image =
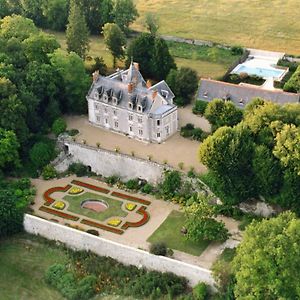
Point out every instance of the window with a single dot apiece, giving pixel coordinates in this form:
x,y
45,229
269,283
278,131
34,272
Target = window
x,y
106,121
105,98
130,128
105,109
158,122
96,105
140,119
140,132
116,124
98,119
115,112
205,94
140,108
130,117
130,105
158,135
167,130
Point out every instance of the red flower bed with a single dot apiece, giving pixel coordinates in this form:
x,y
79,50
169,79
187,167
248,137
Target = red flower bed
x,y
90,186
58,213
142,211
131,198
101,226
48,199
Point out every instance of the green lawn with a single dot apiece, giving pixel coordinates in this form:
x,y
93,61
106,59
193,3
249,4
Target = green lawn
x,y
169,233
114,209
271,25
23,262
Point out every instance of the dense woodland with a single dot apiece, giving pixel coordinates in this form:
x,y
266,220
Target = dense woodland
x,y
254,153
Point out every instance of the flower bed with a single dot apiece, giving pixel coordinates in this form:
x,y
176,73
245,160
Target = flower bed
x,y
142,211
130,206
59,205
49,200
91,187
131,198
58,213
75,190
102,226
114,222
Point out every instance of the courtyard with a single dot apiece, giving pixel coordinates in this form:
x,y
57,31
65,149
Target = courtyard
x,y
173,151
128,218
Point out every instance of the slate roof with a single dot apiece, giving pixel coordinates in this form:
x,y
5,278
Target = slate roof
x,y
116,85
242,94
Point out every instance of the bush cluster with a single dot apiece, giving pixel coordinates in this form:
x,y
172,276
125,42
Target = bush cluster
x,y
199,107
189,131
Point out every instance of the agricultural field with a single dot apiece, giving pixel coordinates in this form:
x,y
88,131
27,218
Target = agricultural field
x,y
271,25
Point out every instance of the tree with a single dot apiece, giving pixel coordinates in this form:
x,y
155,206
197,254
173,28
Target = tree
x,y
171,183
222,113
75,80
124,14
287,148
267,263
115,41
56,13
38,46
59,126
267,170
32,9
152,23
293,84
9,146
99,65
97,13
41,154
152,54
200,222
77,32
184,84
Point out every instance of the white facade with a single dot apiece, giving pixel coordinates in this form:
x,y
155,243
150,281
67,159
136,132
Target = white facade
x,y
124,103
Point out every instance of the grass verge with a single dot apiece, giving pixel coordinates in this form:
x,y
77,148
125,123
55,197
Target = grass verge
x,y
169,233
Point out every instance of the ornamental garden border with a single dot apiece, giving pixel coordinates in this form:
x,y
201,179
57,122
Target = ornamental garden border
x,y
92,222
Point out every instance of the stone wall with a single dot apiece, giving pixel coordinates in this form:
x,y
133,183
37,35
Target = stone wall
x,y
108,163
79,240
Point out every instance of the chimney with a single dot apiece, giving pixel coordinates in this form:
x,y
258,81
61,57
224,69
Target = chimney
x,y
136,65
95,75
154,94
130,87
148,84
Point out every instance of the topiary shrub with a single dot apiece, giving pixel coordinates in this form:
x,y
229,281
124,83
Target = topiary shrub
x,y
158,249
200,291
59,126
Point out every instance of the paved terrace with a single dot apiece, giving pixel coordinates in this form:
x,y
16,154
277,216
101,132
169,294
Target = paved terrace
x,y
176,149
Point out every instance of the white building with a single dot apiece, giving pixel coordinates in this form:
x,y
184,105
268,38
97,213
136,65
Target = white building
x,y
123,102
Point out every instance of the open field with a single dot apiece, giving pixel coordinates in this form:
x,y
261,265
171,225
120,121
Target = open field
x,y
271,25
212,64
23,261
169,233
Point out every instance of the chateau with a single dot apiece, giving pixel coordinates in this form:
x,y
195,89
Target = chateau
x,y
123,102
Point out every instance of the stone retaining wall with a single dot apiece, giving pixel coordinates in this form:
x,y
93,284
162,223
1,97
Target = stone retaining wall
x,y
79,240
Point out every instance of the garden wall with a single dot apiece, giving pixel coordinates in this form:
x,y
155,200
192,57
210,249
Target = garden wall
x,y
130,256
108,163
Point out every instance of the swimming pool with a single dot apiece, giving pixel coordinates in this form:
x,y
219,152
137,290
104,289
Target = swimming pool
x,y
261,72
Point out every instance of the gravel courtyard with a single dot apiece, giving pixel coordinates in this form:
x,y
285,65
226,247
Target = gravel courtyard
x,y
173,151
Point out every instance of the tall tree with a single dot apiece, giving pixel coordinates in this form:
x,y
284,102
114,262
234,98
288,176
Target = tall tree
x,y
115,40
125,13
32,9
77,33
267,262
152,23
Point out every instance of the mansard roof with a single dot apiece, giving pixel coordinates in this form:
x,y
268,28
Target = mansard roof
x,y
242,94
129,86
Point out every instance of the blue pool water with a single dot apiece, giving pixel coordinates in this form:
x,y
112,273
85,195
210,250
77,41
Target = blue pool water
x,y
262,72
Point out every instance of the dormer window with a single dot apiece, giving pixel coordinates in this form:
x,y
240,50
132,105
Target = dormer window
x,y
130,105
165,93
105,98
96,95
115,101
140,108
205,94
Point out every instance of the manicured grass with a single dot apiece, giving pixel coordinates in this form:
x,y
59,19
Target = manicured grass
x,y
23,262
271,25
169,233
114,209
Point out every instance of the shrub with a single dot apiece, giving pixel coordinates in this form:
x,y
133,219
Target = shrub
x,y
171,184
112,179
59,126
200,291
199,107
147,188
72,132
237,50
132,184
49,172
79,169
158,249
93,232
197,134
